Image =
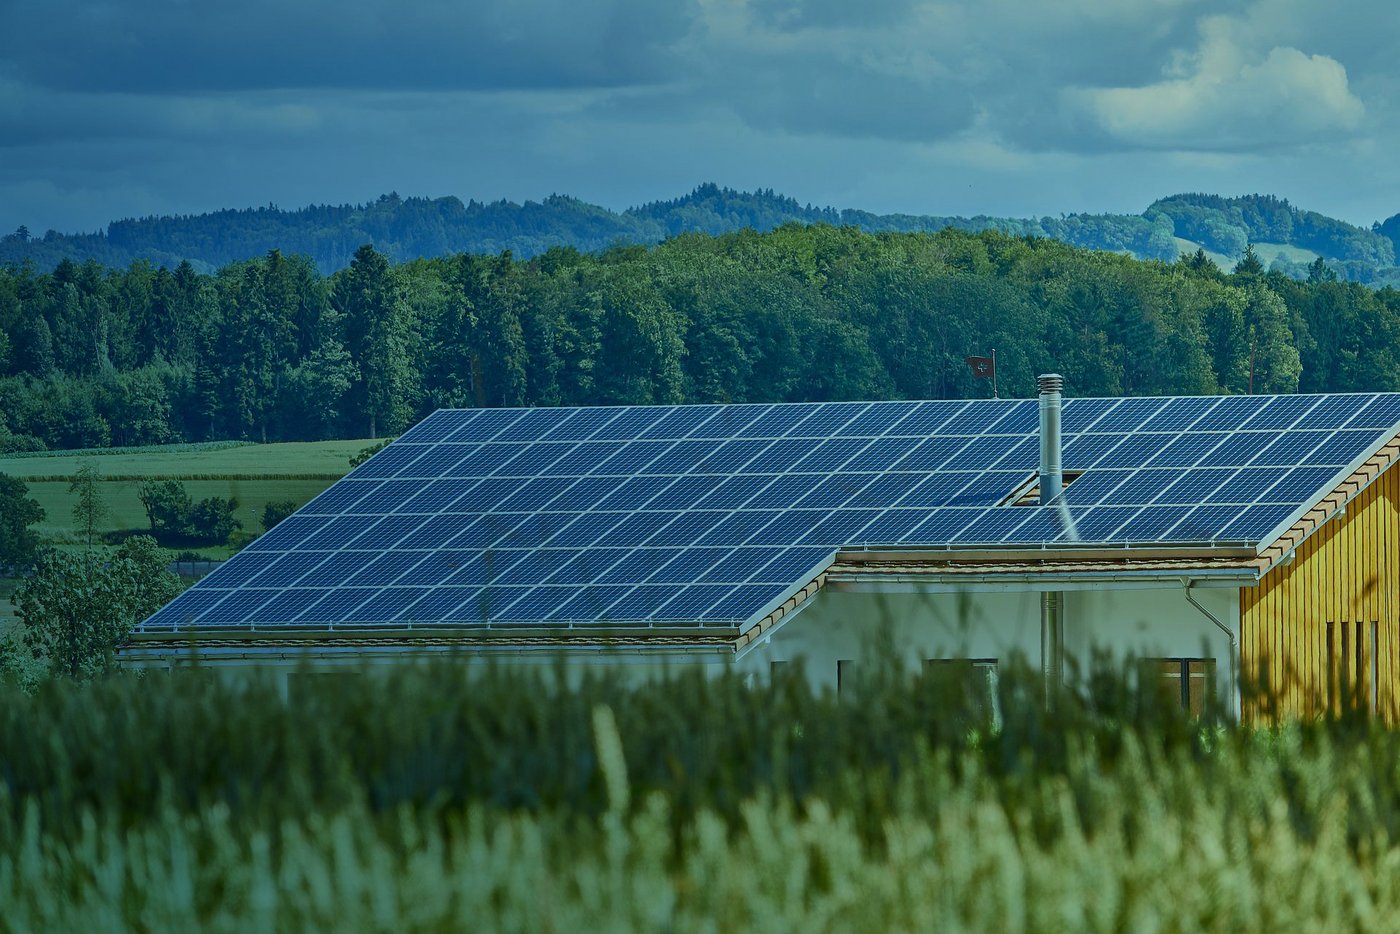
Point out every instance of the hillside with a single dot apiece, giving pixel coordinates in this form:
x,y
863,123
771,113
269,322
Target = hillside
x,y
412,228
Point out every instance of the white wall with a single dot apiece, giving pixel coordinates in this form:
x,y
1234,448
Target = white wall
x,y
838,625
1144,623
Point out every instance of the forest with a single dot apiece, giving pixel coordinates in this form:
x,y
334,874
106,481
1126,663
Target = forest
x,y
270,349
413,228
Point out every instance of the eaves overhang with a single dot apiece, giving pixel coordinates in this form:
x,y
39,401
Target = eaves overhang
x,y
369,644
1278,545
1020,567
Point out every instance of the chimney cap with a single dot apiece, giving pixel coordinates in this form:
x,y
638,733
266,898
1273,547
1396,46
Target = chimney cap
x,y
1049,382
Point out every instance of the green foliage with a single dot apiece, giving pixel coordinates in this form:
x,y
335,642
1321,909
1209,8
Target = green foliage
x,y
378,320
268,349
173,515
410,228
212,520
365,454
76,609
275,512
421,798
89,509
1226,225
19,544
167,506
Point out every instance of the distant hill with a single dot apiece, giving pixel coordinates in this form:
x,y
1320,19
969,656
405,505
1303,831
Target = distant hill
x,y
408,228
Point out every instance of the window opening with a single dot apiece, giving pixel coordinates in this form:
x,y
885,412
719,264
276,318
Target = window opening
x,y
845,674
1353,678
1189,682
975,677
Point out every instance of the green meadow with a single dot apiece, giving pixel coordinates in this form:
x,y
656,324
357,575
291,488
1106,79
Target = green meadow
x,y
254,474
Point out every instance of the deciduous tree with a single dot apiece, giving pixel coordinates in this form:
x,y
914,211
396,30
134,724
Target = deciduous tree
x,y
76,609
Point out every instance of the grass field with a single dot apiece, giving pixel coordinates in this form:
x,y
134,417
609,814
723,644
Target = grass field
x,y
1189,247
254,474
1267,253
425,800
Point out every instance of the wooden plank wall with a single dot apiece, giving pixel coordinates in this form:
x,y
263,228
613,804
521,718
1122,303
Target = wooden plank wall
x,y
1308,619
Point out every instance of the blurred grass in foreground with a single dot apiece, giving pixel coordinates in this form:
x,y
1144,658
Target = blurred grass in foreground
x,y
514,801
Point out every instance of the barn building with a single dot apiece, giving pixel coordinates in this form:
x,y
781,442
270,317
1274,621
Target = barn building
x,y
1212,536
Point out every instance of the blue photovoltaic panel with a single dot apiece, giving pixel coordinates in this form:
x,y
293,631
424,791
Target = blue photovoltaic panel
x,y
1187,450
637,515
633,493
876,419
826,420
1179,415
1342,448
1383,411
1128,415
1333,411
728,421
1230,413
926,419
1080,416
339,498
1283,412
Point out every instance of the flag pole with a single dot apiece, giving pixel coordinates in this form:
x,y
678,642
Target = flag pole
x,y
994,374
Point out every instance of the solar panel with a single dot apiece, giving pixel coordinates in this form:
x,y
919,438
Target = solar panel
x,y
707,514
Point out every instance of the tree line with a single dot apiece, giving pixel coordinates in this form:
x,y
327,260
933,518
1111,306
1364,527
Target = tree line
x,y
411,228
269,349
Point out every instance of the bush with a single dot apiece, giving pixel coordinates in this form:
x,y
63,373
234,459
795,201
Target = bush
x,y
11,443
366,453
19,544
174,517
76,609
211,520
275,512
167,506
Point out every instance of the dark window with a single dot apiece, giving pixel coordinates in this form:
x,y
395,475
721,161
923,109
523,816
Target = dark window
x,y
972,680
1352,666
845,674
1187,681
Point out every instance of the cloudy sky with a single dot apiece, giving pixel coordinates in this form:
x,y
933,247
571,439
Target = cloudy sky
x,y
114,108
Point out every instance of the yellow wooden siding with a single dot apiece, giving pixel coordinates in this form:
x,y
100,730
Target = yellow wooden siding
x,y
1346,574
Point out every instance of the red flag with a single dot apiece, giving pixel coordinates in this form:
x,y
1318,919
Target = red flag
x,y
983,366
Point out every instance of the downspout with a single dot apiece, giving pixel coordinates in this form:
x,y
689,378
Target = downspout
x,y
1051,480
1229,634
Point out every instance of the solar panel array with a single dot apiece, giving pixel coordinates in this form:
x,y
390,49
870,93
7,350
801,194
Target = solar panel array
x,y
710,514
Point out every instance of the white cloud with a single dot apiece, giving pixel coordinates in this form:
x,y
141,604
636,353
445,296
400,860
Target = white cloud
x,y
1227,97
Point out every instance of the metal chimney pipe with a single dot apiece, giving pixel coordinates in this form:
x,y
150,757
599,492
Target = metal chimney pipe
x,y
1051,471
1052,603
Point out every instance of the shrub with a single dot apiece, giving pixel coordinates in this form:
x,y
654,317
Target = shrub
x,y
173,516
275,512
212,519
19,544
366,453
167,506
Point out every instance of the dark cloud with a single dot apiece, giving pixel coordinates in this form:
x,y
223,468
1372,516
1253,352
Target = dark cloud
x,y
116,107
828,14
165,46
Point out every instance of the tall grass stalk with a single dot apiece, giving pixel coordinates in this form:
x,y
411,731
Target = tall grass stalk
x,y
513,802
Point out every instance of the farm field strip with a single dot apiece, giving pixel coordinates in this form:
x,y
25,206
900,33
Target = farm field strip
x,y
254,475
310,458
